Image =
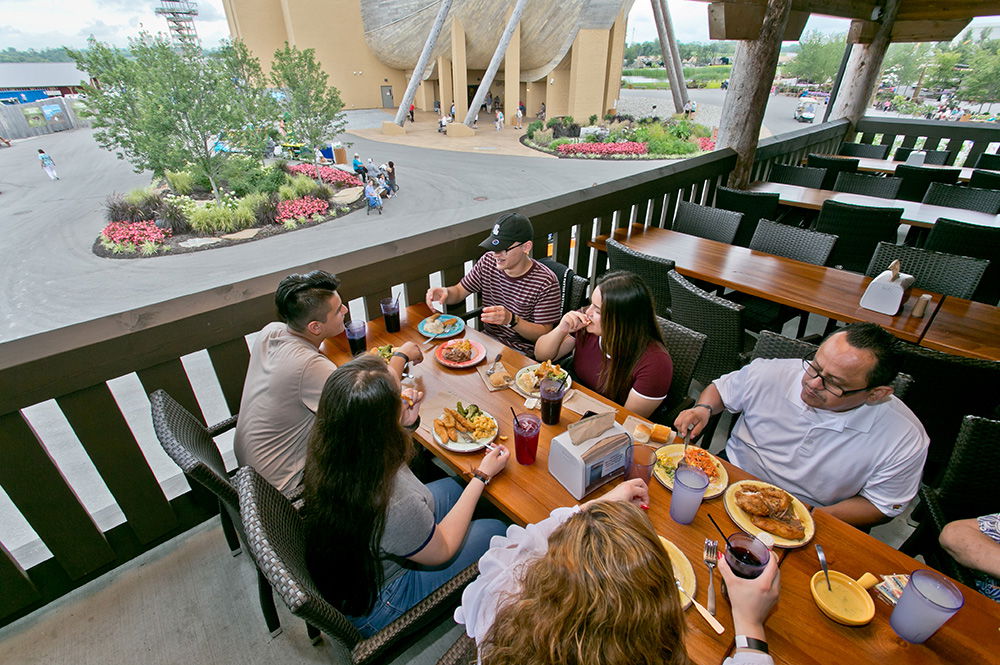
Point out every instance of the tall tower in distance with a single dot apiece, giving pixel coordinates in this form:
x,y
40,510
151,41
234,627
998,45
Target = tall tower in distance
x,y
180,17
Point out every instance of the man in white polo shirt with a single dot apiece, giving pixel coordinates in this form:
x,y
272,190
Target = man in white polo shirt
x,y
520,296
827,429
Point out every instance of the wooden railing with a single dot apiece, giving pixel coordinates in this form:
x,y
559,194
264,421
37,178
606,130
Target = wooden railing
x,y
73,365
792,147
965,140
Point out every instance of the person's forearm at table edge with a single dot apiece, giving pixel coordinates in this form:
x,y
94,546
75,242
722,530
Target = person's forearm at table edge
x,y
971,547
857,511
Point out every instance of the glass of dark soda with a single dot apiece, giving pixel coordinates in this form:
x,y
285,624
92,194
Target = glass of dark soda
x,y
356,336
746,555
551,393
390,312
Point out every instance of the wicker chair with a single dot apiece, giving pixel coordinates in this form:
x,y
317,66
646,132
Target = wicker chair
x,y
916,180
462,652
966,491
755,206
719,319
864,150
936,157
803,176
834,166
651,269
988,160
967,198
859,230
947,274
572,286
868,185
984,179
704,222
685,347
954,237
276,538
189,444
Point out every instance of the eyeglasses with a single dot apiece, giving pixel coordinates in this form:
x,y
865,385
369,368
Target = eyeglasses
x,y
504,251
812,371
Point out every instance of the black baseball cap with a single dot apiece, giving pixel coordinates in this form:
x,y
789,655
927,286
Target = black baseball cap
x,y
510,229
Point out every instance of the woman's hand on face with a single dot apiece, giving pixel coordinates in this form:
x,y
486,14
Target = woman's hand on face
x,y
411,405
495,461
573,321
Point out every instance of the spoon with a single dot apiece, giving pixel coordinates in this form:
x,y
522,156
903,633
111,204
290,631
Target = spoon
x,y
822,563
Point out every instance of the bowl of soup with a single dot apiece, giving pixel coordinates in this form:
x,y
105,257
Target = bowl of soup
x,y
845,601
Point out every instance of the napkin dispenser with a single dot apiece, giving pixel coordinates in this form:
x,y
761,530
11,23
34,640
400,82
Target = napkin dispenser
x,y
583,467
887,292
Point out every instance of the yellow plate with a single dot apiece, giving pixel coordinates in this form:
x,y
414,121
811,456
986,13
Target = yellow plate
x,y
848,603
666,460
683,570
742,519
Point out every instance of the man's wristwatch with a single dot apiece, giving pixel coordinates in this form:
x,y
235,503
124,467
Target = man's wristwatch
x,y
476,473
513,320
402,355
744,642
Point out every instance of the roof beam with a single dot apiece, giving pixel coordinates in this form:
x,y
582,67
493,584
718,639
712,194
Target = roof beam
x,y
737,20
862,32
943,10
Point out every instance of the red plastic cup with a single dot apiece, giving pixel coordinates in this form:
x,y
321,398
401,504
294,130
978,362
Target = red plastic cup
x,y
526,429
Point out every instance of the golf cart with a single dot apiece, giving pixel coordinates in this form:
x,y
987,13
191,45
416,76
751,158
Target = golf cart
x,y
806,109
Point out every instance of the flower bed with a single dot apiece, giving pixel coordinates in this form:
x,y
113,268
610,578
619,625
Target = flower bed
x,y
304,208
624,148
127,237
705,144
327,174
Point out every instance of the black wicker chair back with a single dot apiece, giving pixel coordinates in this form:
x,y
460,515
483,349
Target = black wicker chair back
x,y
834,166
916,180
572,287
984,179
717,318
653,271
276,537
948,274
803,176
792,242
704,222
859,230
868,185
935,157
988,160
967,198
755,206
954,237
685,347
864,150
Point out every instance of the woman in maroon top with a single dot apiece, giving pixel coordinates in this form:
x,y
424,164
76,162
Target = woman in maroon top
x,y
617,346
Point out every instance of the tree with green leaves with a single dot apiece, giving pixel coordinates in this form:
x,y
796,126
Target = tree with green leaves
x,y
311,107
163,107
981,83
903,62
818,58
250,93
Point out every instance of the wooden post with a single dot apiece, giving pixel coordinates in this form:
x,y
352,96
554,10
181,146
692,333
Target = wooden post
x,y
749,86
675,54
668,60
425,56
491,69
863,69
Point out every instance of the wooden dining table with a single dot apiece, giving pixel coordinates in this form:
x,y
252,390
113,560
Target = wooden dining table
x,y
888,166
821,290
914,213
965,328
528,493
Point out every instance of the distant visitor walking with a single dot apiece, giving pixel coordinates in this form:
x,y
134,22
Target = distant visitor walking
x,y
48,165
499,120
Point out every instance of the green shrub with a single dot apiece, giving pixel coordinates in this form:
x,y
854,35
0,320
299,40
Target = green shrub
x,y
263,207
568,120
303,186
241,218
215,219
175,216
681,129
552,122
558,142
181,182
244,175
671,145
534,127
543,137
286,192
700,131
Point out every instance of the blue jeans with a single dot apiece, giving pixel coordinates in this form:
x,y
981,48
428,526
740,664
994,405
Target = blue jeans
x,y
417,583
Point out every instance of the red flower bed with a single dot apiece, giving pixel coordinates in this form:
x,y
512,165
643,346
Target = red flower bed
x,y
628,148
306,207
327,174
134,232
705,144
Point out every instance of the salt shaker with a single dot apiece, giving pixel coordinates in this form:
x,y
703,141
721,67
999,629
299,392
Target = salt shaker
x,y
921,307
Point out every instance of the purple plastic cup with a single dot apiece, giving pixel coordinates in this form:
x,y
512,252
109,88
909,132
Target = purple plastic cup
x,y
689,488
928,600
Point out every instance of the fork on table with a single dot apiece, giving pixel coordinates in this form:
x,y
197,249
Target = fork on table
x,y
710,556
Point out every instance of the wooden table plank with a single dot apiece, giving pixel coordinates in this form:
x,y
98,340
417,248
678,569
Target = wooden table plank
x,y
965,328
914,213
826,291
798,633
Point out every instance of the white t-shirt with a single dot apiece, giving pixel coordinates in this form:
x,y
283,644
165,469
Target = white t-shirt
x,y
876,451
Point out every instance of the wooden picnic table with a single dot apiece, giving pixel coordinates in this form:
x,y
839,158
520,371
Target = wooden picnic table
x,y
966,328
888,166
914,213
529,493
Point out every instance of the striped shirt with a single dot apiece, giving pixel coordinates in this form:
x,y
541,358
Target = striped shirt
x,y
534,297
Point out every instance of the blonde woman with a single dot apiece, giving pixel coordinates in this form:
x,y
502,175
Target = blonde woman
x,y
592,585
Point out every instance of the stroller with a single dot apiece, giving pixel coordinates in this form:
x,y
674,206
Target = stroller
x,y
373,199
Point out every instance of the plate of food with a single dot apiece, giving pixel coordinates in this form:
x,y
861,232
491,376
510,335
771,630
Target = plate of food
x,y
460,353
669,456
464,429
683,570
441,326
527,378
757,507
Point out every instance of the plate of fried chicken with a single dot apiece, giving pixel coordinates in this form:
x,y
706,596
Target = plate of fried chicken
x,y
758,507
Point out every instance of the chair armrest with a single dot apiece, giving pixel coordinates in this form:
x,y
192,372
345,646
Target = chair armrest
x,y
224,426
461,652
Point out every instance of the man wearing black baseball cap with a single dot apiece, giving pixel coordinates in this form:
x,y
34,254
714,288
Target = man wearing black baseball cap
x,y
520,296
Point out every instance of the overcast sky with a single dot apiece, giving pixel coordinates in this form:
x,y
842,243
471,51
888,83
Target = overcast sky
x,y
48,23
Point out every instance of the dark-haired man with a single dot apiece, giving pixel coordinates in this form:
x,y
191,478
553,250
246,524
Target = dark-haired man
x,y
827,429
286,376
520,296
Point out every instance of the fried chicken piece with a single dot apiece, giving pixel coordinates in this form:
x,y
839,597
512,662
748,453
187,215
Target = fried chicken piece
x,y
461,422
790,527
448,419
452,434
440,429
763,501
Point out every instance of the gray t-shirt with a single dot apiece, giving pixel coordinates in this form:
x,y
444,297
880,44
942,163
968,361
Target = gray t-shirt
x,y
409,522
280,398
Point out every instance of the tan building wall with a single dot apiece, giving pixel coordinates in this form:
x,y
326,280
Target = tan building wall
x,y
585,81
